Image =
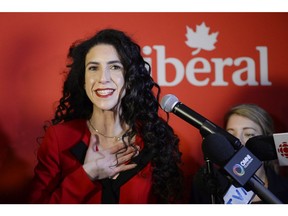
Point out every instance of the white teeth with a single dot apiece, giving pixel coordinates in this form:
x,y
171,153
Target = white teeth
x,y
105,92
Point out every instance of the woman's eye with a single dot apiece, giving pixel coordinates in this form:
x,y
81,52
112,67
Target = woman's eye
x,y
92,68
115,67
249,135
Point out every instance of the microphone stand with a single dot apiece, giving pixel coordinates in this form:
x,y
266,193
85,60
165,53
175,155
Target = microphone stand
x,y
210,173
205,129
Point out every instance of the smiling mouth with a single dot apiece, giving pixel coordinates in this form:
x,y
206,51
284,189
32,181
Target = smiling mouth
x,y
104,92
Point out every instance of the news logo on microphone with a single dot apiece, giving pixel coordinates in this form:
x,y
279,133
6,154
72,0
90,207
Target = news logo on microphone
x,y
243,165
281,146
238,170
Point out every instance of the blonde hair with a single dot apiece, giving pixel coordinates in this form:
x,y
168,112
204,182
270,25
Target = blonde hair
x,y
255,113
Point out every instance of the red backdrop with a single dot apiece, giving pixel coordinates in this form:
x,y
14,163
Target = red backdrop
x,y
210,61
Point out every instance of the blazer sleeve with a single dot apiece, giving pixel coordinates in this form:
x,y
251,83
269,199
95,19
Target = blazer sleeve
x,y
50,185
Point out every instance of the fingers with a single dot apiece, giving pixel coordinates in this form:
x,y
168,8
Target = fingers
x,y
120,169
121,150
124,159
117,147
125,155
136,150
101,163
120,165
125,167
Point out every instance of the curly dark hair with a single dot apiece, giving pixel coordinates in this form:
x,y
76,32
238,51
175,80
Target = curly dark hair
x,y
139,108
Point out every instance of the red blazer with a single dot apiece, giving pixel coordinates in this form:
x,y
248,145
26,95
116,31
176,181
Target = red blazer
x,y
60,177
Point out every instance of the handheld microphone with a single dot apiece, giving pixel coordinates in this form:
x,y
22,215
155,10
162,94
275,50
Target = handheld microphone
x,y
240,164
270,147
263,147
170,103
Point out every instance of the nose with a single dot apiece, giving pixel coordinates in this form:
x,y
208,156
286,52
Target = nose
x,y
239,136
104,75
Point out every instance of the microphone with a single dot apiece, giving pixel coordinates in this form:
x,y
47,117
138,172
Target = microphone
x,y
263,147
240,164
170,103
219,186
270,147
207,184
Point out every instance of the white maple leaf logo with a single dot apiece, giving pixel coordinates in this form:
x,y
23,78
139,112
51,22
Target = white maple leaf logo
x,y
201,38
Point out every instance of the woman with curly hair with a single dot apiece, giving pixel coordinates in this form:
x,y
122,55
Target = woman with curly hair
x,y
107,143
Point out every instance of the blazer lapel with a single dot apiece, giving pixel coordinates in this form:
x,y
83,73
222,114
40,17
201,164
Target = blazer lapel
x,y
79,151
111,187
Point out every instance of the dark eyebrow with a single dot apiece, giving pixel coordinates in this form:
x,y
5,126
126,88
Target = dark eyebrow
x,y
92,62
110,62
115,61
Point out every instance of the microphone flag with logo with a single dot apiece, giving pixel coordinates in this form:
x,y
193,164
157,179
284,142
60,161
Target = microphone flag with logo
x,y
281,146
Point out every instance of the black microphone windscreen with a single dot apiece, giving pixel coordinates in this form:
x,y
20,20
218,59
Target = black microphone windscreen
x,y
263,147
168,102
211,182
217,148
